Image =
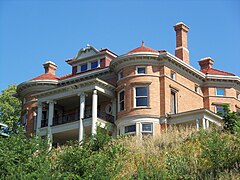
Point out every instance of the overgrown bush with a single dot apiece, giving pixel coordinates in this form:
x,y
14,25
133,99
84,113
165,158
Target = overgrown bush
x,y
178,154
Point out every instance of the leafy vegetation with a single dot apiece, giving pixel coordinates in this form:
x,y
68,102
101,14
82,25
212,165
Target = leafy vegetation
x,y
231,120
178,154
10,107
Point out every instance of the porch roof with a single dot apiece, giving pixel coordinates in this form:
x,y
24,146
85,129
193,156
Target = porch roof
x,y
77,88
193,115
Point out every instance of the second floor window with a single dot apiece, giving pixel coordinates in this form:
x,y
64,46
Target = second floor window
x,y
173,75
141,96
173,102
121,101
220,91
238,96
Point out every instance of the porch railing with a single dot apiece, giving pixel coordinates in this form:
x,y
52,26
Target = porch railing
x,y
67,118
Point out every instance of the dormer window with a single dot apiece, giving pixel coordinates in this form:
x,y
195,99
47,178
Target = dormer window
x,y
94,64
84,67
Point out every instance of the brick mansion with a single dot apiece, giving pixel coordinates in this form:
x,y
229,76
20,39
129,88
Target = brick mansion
x,y
141,92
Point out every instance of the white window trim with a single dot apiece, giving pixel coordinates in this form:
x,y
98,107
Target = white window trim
x,y
198,89
220,94
134,96
136,70
121,101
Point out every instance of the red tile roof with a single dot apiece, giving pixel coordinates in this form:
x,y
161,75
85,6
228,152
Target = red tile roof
x,y
47,76
216,72
142,48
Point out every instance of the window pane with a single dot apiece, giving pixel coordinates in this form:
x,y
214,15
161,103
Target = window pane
x,y
120,75
220,110
94,64
146,127
220,92
83,67
122,106
141,70
141,91
141,101
131,128
121,96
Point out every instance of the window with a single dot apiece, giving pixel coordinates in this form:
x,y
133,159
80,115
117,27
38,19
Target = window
x,y
84,67
173,75
238,96
147,129
130,129
220,91
24,120
197,89
141,96
121,101
120,75
94,64
220,110
173,102
24,100
141,70
109,109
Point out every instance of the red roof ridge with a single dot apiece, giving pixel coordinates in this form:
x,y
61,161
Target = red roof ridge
x,y
216,72
142,48
46,76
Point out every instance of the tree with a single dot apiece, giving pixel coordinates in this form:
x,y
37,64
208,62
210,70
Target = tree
x,y
231,120
10,107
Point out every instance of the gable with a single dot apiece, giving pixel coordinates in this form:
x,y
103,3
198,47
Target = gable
x,y
86,52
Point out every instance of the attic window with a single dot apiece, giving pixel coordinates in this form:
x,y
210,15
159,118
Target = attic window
x,y
83,67
94,64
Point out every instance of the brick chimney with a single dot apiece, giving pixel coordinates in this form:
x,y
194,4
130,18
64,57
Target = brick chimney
x,y
206,63
50,67
181,50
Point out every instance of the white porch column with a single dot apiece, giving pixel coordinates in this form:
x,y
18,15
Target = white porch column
x,y
82,108
94,111
197,124
50,122
39,116
114,108
207,123
138,129
204,123
50,113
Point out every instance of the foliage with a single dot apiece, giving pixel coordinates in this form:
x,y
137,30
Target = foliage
x,y
178,154
24,158
231,120
10,107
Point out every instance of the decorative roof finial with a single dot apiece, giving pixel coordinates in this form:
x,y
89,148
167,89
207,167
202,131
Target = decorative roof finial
x,y
142,42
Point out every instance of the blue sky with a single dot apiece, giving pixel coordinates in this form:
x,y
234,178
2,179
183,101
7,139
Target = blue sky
x,y
32,32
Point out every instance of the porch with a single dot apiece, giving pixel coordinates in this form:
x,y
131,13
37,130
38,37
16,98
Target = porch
x,y
75,113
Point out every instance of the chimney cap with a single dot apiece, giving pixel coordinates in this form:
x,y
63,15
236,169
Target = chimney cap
x,y
206,59
181,25
50,62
